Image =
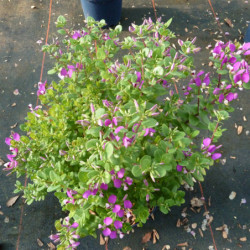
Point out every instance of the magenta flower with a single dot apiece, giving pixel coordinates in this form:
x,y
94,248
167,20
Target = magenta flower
x,y
41,88
104,186
127,204
86,194
179,168
221,98
70,192
54,237
64,72
74,244
112,199
149,131
116,208
232,47
211,148
120,173
206,142
108,221
76,35
106,232
117,183
118,224
113,235
74,225
8,141
120,213
107,122
129,181
16,137
83,122
216,156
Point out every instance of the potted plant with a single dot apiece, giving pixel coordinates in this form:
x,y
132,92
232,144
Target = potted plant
x,y
113,139
109,10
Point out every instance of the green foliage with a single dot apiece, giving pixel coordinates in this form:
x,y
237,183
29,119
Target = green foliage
x,y
103,121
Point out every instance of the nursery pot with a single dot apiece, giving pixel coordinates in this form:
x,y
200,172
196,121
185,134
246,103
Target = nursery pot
x,y
109,10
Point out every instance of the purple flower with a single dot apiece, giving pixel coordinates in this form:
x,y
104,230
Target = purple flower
x,y
112,199
54,237
118,224
129,181
92,108
120,173
107,122
149,131
104,186
16,137
120,213
180,42
230,97
108,221
145,182
113,235
216,91
245,77
221,98
83,122
127,204
74,244
70,192
206,142
232,47
216,156
106,232
179,168
211,148
76,35
246,46
117,183
217,50
86,194
147,197
8,141
74,225
41,88
116,208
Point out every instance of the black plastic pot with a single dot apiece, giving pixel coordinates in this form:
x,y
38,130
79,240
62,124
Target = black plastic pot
x,y
109,10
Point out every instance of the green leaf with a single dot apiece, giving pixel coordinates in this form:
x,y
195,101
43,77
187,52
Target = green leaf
x,y
53,176
91,144
107,177
62,32
178,136
99,112
149,123
109,149
101,54
94,131
51,72
83,177
52,188
193,120
158,71
195,133
246,85
222,72
145,163
165,130
167,24
136,171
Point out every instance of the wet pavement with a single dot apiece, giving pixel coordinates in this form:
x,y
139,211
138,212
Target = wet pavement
x,y
20,68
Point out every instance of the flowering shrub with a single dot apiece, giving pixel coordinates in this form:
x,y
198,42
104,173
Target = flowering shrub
x,y
114,138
